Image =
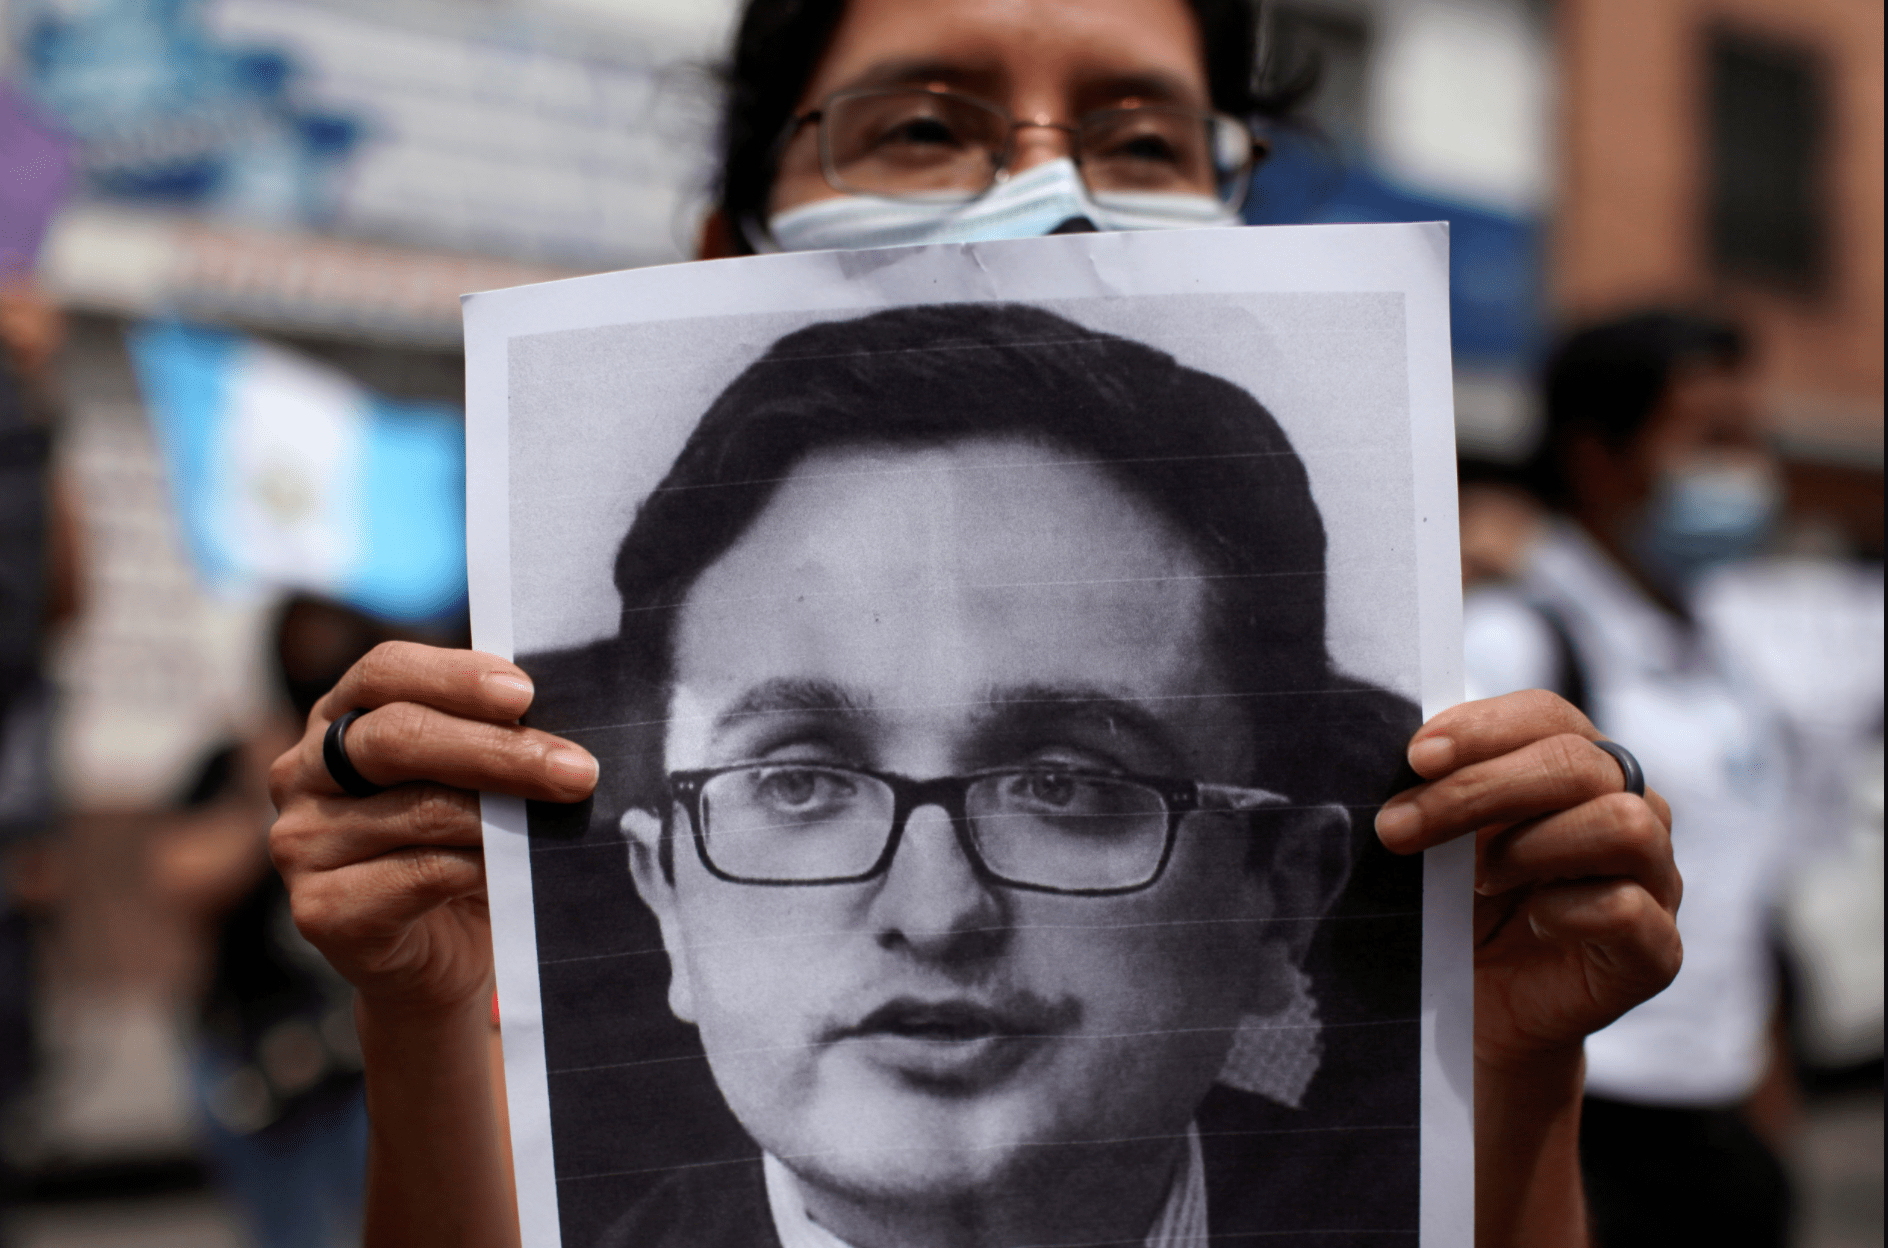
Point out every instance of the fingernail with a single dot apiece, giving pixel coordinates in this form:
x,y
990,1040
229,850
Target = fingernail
x,y
511,688
1399,821
1431,755
573,767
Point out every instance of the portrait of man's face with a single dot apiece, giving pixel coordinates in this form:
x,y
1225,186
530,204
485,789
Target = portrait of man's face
x,y
984,696
980,605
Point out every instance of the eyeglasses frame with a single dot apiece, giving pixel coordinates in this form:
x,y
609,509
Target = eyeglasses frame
x,y
1181,798
816,117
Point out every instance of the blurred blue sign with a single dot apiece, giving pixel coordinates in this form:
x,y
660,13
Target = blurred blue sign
x,y
1494,258
162,111
287,475
35,171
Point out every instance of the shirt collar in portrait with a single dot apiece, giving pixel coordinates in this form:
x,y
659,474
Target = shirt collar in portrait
x,y
1181,1224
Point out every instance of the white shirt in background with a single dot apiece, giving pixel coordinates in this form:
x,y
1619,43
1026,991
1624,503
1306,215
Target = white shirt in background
x,y
1710,744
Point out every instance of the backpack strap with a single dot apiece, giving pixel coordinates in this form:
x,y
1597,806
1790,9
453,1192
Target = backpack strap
x,y
1570,671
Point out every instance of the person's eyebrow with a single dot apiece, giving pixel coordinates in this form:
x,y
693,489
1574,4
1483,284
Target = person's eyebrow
x,y
984,79
786,696
1025,710
1152,87
922,71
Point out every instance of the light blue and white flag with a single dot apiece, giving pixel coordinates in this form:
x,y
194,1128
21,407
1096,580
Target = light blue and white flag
x,y
288,475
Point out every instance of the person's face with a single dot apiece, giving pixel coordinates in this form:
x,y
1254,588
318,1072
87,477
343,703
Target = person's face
x,y
929,613
1043,60
1707,417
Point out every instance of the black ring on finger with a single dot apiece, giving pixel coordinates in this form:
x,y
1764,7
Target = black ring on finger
x,y
340,766
1635,774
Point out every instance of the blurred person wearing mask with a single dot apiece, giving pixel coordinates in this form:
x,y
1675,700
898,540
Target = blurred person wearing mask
x,y
39,591
39,571
870,123
1653,458
276,1064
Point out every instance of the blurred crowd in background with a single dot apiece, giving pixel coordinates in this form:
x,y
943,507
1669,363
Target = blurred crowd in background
x,y
232,238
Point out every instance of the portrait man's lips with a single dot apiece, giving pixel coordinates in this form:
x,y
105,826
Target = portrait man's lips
x,y
961,1042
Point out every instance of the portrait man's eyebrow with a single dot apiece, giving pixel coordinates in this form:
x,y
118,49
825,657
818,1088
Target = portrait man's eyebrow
x,y
1010,714
784,695
945,639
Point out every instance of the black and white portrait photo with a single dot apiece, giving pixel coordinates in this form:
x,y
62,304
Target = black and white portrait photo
x,y
993,683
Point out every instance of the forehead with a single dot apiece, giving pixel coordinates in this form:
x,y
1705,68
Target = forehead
x,y
1005,46
1706,403
940,577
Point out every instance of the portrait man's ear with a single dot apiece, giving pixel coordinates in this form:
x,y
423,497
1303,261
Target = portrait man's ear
x,y
1309,866
643,831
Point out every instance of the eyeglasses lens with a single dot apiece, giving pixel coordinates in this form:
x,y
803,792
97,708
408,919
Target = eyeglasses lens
x,y
797,824
1149,149
1063,831
913,143
933,143
793,823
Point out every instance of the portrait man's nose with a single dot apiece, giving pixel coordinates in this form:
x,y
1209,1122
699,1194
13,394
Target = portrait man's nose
x,y
933,903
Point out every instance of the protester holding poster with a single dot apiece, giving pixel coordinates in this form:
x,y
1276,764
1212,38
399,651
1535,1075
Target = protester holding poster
x,y
1573,922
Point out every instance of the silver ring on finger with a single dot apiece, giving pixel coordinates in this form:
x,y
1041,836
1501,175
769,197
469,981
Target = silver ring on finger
x,y
1634,774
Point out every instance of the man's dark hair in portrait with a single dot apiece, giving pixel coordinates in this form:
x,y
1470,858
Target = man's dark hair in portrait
x,y
631,1096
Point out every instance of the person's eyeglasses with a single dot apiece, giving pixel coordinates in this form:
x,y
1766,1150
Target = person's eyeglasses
x,y
935,144
1051,830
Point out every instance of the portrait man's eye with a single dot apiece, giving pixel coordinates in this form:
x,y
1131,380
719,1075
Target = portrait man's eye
x,y
801,793
793,823
1073,805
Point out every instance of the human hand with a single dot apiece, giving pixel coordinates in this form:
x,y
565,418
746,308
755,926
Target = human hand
x,y
1576,890
391,888
32,329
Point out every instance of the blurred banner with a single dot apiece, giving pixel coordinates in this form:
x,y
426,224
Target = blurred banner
x,y
35,170
287,475
537,133
1495,297
1432,110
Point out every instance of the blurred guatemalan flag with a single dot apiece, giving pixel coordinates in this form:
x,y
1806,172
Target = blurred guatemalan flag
x,y
289,476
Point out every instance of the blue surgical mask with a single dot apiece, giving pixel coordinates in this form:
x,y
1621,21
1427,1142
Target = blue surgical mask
x,y
1703,516
1036,202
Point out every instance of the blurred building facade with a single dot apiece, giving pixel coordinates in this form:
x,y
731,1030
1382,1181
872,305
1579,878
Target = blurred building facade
x,y
1728,154
1594,156
350,169
330,174
340,171
333,174
1426,110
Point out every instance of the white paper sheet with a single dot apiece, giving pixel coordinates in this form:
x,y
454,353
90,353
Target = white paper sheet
x,y
841,1022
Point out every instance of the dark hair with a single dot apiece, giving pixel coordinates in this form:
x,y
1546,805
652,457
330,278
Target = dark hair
x,y
1199,450
1607,379
317,639
778,45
